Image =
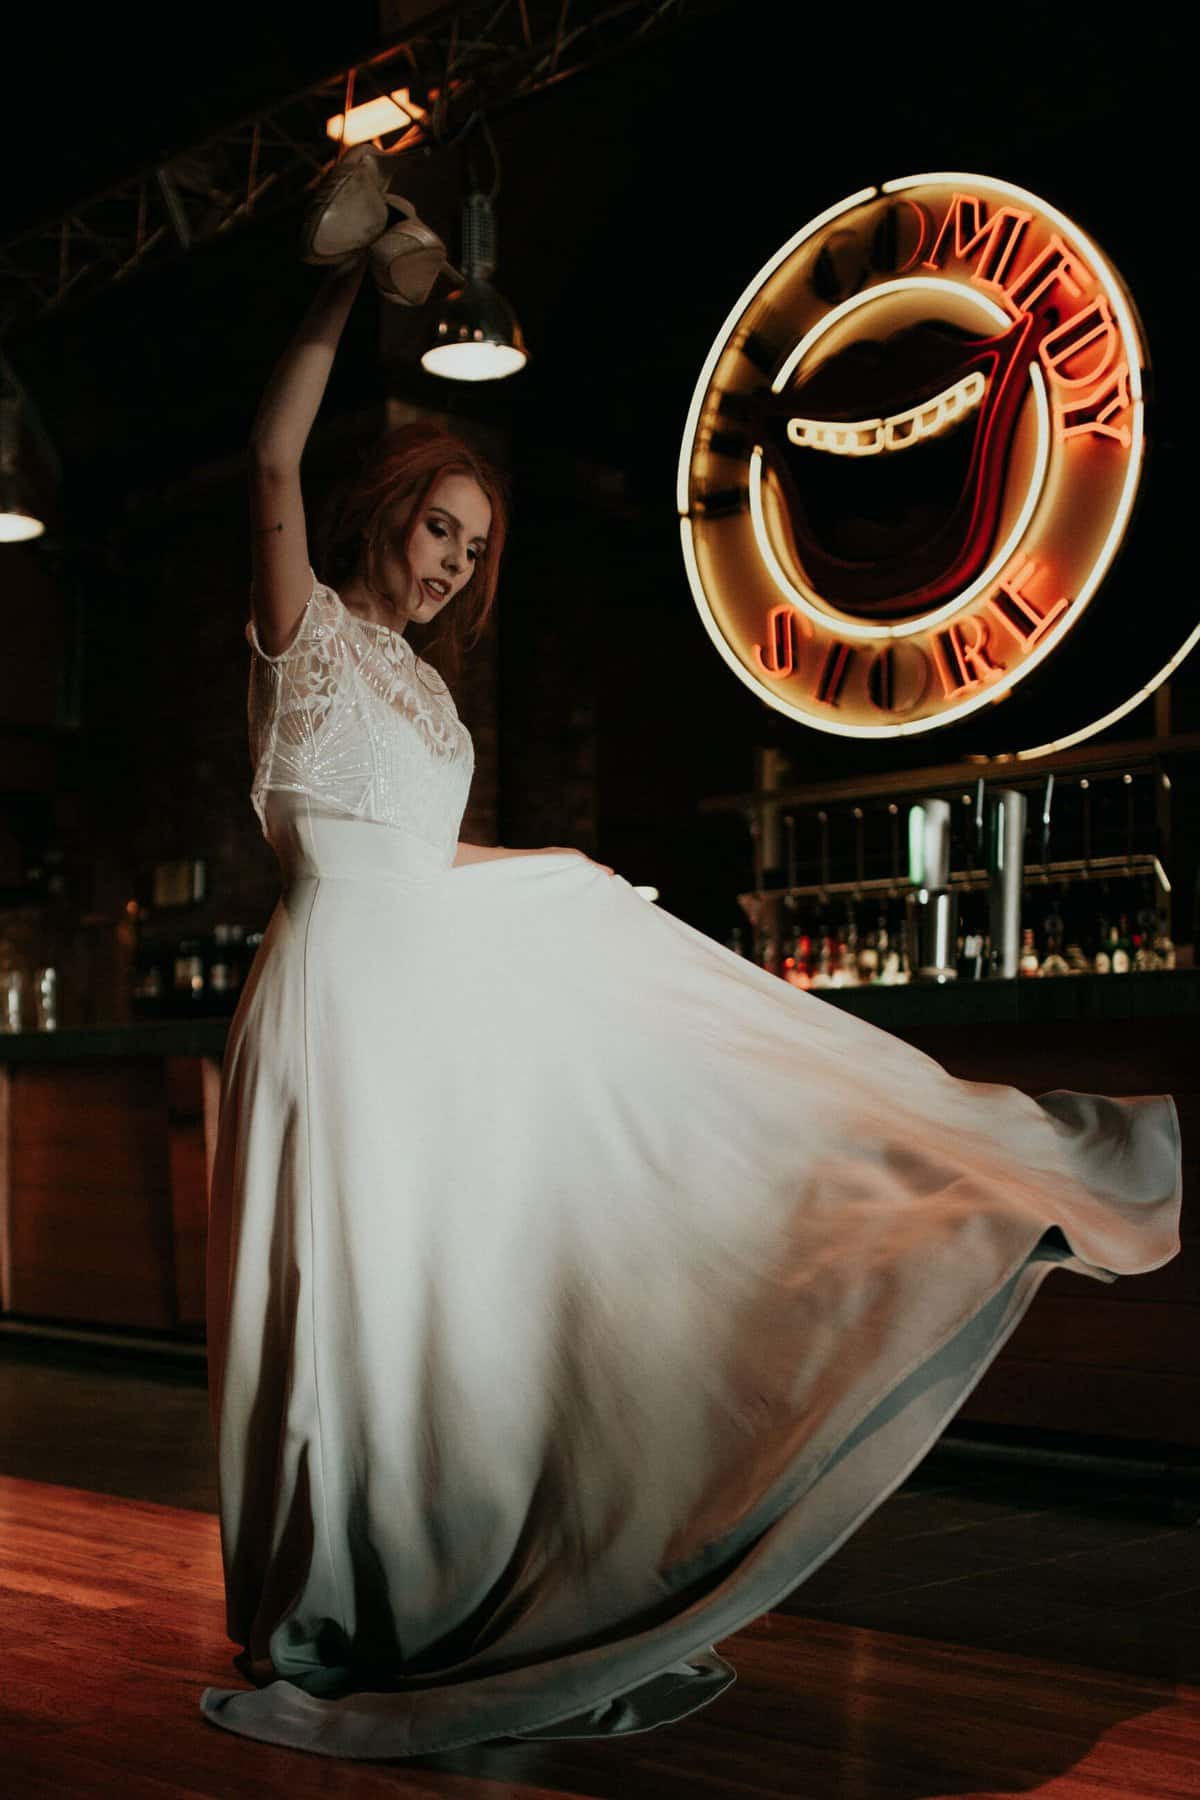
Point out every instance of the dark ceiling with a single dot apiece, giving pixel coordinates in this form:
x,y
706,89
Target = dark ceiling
x,y
635,198
127,86
636,201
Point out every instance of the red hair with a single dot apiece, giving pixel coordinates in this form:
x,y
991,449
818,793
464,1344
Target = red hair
x,y
407,464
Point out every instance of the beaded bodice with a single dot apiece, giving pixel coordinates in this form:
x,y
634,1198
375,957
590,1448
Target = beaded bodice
x,y
350,715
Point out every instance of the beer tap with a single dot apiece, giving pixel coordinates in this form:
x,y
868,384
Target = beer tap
x,y
979,820
973,965
1054,927
931,904
789,893
755,824
1006,862
968,858
1047,797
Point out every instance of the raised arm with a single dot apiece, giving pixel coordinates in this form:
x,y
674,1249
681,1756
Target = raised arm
x,y
279,537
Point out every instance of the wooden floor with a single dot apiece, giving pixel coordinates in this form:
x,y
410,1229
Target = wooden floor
x,y
113,1617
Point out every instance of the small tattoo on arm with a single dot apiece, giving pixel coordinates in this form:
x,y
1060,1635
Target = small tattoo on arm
x,y
265,530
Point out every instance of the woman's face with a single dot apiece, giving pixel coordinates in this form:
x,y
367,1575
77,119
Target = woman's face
x,y
447,541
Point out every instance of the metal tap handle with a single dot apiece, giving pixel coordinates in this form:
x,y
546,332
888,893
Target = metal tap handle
x,y
1047,797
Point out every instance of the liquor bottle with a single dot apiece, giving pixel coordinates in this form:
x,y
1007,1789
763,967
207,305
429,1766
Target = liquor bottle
x,y
1028,963
883,946
889,961
237,956
972,961
1077,962
736,941
868,957
250,944
1054,962
1102,960
1164,949
789,932
224,968
149,995
846,974
1053,924
796,964
822,976
1122,949
189,985
904,972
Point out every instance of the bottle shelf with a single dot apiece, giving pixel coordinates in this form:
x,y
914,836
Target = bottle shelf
x,y
968,881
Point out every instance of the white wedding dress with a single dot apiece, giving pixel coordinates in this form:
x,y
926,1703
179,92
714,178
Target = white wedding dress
x,y
575,1287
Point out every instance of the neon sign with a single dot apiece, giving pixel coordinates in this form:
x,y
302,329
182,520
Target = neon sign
x,y
911,455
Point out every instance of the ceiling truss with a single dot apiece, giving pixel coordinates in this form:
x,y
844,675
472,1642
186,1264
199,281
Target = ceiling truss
x,y
459,63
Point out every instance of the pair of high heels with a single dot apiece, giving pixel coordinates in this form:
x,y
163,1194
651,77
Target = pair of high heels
x,y
350,213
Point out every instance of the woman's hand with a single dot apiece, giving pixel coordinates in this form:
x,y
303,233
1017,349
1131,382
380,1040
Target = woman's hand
x,y
567,850
469,853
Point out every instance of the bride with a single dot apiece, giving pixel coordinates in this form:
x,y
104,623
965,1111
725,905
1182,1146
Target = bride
x,y
575,1287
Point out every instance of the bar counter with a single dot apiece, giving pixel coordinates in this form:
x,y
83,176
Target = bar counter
x,y
1066,998
107,1135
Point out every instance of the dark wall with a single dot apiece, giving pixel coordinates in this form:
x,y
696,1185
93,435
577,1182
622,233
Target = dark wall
x,y
673,176
635,202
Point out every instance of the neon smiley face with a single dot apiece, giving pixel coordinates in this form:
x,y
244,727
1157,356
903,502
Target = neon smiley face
x,y
911,455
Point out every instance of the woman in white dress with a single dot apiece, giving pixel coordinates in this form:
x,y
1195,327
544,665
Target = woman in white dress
x,y
575,1287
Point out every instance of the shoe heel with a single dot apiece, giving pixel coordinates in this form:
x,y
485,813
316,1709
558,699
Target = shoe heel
x,y
349,209
407,258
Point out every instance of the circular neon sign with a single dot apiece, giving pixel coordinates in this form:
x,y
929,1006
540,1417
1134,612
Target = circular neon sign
x,y
911,455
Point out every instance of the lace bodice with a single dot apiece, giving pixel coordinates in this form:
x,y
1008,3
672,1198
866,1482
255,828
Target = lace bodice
x,y
350,715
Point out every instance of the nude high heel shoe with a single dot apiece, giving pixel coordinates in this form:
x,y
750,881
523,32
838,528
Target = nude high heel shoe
x,y
408,257
349,208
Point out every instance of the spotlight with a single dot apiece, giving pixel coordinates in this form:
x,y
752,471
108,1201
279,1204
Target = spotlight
x,y
374,118
19,518
477,337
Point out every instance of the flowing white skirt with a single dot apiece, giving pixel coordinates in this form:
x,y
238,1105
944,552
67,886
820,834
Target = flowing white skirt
x,y
576,1288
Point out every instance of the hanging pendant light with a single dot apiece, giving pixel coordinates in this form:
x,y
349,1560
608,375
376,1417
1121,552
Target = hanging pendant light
x,y
19,516
477,337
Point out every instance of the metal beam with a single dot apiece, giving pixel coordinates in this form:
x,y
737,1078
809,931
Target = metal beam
x,y
458,62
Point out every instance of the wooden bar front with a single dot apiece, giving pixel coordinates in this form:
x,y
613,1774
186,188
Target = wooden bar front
x,y
107,1137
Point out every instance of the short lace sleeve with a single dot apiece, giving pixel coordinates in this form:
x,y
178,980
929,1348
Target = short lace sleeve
x,y
349,714
314,621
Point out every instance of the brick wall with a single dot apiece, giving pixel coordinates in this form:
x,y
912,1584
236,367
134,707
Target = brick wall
x,y
159,768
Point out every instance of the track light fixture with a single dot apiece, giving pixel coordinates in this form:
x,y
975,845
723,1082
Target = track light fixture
x,y
373,119
19,517
476,337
